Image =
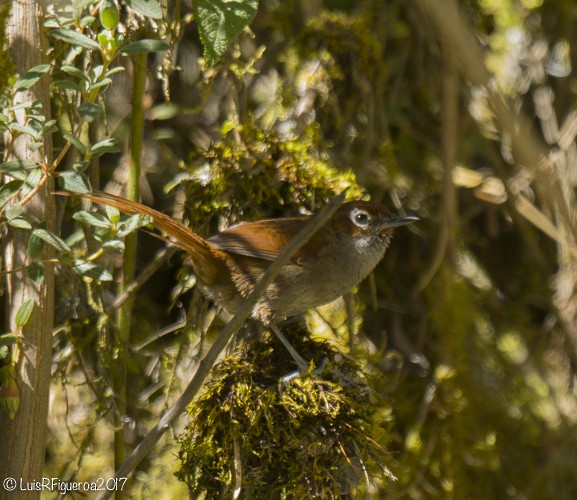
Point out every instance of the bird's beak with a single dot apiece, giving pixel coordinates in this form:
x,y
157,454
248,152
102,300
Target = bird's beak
x,y
399,220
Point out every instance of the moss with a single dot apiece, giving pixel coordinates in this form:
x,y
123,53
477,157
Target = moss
x,y
305,438
252,174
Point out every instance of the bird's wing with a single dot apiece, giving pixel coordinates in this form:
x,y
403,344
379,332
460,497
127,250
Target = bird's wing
x,y
265,239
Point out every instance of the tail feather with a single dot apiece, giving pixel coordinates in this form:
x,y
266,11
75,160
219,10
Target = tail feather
x,y
183,236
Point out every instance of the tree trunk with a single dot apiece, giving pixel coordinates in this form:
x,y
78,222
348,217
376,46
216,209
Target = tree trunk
x,y
23,438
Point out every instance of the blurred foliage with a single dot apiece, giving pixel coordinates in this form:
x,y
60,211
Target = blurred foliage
x,y
471,371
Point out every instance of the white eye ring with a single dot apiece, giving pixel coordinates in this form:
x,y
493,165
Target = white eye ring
x,y
360,217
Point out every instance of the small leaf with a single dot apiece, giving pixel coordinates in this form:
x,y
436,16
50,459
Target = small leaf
x,y
74,71
35,246
220,22
35,146
109,14
86,21
49,127
24,313
80,166
21,105
9,167
112,213
20,223
51,239
115,246
92,219
89,112
101,83
73,181
8,189
144,46
74,38
147,8
76,143
113,71
33,179
67,85
105,146
24,129
31,77
133,223
91,270
35,272
14,211
80,4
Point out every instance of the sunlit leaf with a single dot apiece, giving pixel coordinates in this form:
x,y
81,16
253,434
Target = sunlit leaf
x,y
147,8
144,46
74,38
25,313
220,22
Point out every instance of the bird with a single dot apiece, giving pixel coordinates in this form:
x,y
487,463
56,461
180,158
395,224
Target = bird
x,y
230,263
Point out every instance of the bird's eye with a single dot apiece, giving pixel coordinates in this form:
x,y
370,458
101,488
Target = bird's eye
x,y
360,218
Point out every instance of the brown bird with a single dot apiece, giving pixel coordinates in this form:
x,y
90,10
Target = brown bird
x,y
229,264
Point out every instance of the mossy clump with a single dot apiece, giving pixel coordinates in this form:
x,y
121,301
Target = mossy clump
x,y
251,174
253,434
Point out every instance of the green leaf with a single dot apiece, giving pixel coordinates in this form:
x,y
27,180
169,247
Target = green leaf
x,y
147,8
35,246
50,238
67,85
86,21
34,146
220,22
112,213
114,246
14,211
74,38
49,127
24,129
105,146
74,71
144,46
109,14
35,272
31,77
9,167
163,112
91,270
20,223
113,71
76,143
21,105
80,166
74,182
101,83
8,189
80,4
133,223
92,219
89,112
25,313
33,179
7,339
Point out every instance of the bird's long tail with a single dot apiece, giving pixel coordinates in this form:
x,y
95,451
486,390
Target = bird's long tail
x,y
182,236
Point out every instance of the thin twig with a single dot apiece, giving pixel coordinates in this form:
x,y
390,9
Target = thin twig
x,y
244,311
